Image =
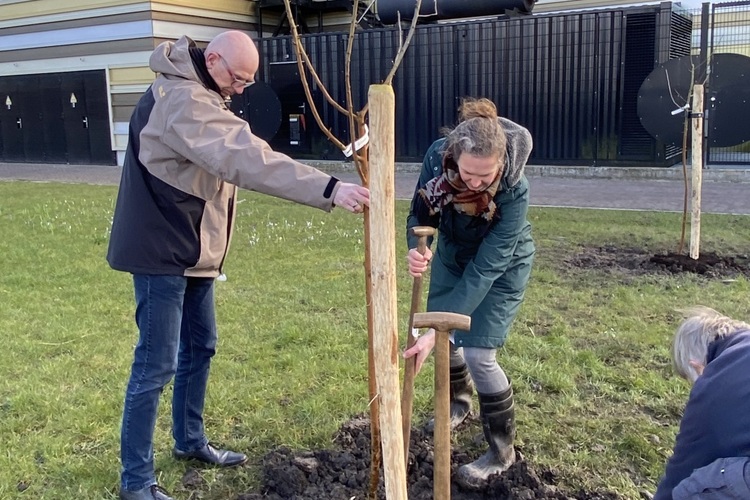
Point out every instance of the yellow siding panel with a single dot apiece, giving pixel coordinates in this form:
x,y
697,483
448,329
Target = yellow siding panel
x,y
743,50
131,76
121,141
232,6
333,18
561,5
735,18
46,7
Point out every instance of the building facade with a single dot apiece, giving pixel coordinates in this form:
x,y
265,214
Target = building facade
x,y
71,72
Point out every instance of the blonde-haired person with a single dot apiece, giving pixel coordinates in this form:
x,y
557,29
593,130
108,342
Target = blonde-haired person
x,y
712,448
472,188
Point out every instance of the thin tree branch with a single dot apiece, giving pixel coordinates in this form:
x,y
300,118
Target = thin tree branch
x,y
405,45
369,6
300,66
353,131
402,47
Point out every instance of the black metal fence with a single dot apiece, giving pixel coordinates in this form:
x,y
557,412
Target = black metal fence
x,y
727,36
571,78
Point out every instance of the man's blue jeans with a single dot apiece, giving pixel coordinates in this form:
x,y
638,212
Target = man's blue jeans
x,y
177,323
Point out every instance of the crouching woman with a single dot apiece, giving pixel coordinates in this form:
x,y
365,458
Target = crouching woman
x,y
472,188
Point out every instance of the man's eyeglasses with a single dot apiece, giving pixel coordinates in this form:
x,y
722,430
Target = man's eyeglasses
x,y
237,82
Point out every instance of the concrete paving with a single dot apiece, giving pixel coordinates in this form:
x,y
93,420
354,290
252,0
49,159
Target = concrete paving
x,y
724,190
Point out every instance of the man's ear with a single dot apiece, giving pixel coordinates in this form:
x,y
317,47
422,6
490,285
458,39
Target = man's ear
x,y
211,58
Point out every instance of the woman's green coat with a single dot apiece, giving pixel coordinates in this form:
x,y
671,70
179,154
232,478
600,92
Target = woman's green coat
x,y
477,270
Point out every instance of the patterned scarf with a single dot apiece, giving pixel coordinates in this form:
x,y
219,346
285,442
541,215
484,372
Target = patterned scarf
x,y
450,188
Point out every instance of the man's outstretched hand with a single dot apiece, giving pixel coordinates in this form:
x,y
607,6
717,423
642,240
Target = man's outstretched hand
x,y
352,197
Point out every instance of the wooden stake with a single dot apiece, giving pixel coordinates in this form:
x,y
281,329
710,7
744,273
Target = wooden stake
x,y
697,170
383,265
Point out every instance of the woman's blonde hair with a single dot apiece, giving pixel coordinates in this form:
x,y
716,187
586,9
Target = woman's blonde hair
x,y
701,326
478,132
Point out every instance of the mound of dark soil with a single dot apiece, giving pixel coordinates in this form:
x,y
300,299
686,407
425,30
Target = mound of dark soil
x,y
344,473
708,264
639,261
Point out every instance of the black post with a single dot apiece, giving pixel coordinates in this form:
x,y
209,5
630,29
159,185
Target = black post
x,y
700,77
260,21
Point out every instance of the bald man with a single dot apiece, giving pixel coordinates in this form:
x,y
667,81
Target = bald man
x,y
187,154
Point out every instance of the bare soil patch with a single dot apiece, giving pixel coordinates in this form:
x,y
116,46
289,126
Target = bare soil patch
x,y
638,261
344,473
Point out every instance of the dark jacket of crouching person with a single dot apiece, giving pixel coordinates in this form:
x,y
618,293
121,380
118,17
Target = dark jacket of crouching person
x,y
712,448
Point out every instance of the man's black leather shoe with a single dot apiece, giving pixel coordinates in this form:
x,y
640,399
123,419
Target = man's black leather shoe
x,y
153,492
211,455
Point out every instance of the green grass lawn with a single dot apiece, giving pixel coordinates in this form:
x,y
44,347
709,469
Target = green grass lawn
x,y
589,353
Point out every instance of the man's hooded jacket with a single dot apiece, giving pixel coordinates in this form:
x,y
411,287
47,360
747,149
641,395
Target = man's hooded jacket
x,y
187,154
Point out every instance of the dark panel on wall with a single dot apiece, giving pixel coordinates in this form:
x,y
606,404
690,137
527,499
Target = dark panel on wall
x,y
87,122
56,118
53,145
31,112
293,132
11,121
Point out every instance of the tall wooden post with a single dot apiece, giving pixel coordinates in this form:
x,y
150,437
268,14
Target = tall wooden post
x,y
383,266
696,114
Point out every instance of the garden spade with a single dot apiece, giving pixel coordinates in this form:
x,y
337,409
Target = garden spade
x,y
443,323
407,395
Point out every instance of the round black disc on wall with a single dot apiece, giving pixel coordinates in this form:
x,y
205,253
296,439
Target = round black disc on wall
x,y
726,104
261,108
664,91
